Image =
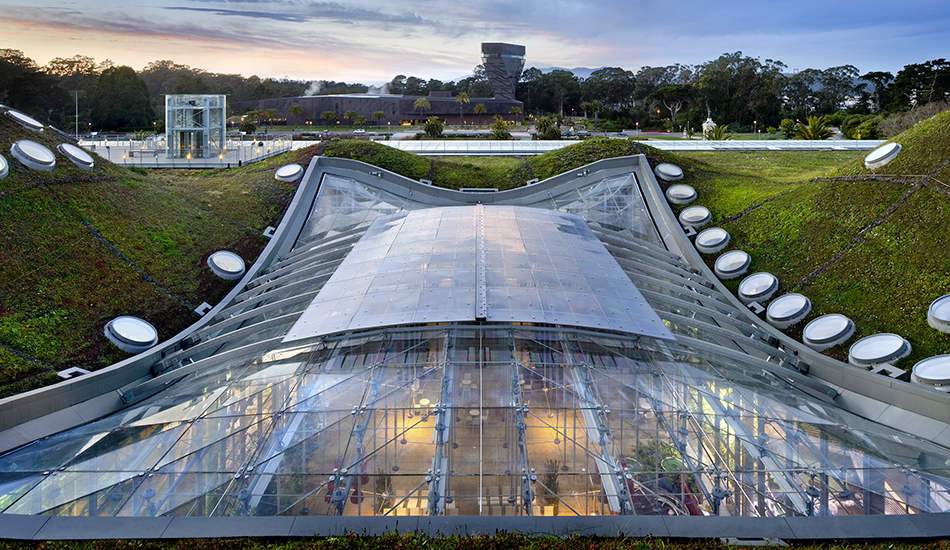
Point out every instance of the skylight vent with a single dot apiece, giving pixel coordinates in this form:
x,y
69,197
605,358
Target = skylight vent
x,y
827,331
882,155
878,348
226,265
787,310
131,334
79,157
33,155
712,240
732,264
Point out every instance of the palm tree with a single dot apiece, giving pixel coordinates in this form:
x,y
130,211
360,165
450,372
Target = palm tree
x,y
461,99
377,116
329,116
514,111
422,104
270,115
719,133
350,114
296,111
480,109
360,120
814,128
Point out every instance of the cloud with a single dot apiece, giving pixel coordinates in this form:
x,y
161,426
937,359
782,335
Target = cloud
x,y
244,13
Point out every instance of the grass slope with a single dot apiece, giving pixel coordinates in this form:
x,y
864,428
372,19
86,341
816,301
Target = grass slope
x,y
78,248
865,243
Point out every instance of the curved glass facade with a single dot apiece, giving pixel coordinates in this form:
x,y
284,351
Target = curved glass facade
x,y
477,415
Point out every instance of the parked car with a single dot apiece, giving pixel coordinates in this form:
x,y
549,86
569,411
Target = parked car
x,y
359,131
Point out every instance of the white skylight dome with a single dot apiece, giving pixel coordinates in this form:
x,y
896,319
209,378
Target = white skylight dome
x,y
934,371
79,157
732,264
668,172
681,194
131,334
712,240
4,167
26,121
938,314
695,216
877,349
289,172
757,287
33,155
226,265
827,331
788,310
882,155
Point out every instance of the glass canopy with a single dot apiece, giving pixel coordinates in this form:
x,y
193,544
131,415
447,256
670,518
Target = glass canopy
x,y
486,417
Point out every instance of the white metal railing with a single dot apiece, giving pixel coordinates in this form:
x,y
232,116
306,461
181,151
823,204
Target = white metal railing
x,y
481,147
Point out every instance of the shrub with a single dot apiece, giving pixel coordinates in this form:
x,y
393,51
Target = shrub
x,y
433,127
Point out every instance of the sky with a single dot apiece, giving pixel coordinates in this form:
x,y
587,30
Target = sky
x,y
371,41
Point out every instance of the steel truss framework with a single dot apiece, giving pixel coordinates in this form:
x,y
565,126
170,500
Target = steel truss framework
x,y
477,418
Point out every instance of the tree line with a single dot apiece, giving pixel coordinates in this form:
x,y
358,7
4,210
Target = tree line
x,y
739,91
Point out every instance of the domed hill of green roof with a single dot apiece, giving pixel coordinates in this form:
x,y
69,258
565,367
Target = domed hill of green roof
x,y
925,152
868,244
78,248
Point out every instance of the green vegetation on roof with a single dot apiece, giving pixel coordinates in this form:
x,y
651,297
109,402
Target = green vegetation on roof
x,y
78,248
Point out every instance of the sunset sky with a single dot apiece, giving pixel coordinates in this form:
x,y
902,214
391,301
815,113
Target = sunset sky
x,y
371,41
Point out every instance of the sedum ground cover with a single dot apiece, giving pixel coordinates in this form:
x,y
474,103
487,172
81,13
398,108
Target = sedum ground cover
x,y
78,248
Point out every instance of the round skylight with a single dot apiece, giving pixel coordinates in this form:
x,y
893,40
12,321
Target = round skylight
x,y
26,121
79,157
882,155
289,172
758,286
938,315
680,194
33,155
695,216
668,172
712,240
226,265
878,348
826,331
933,370
732,264
131,334
787,310
4,167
